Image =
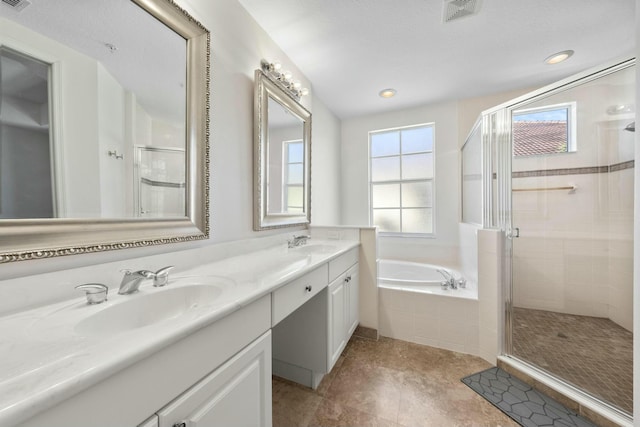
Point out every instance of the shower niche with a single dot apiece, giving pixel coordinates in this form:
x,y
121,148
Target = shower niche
x,y
555,169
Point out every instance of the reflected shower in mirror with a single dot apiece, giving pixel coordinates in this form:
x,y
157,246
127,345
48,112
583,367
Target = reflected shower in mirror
x,y
282,145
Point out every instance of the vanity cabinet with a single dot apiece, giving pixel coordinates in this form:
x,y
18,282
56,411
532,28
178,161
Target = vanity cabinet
x,y
308,341
343,312
218,370
236,394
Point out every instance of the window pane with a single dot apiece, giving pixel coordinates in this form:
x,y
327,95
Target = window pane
x,y
541,132
416,195
387,219
417,166
295,174
417,221
385,196
418,139
385,144
296,152
385,169
294,197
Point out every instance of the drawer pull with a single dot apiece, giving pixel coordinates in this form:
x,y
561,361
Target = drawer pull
x,y
308,288
180,424
347,279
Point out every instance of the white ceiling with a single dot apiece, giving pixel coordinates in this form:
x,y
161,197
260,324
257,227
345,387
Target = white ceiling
x,y
352,49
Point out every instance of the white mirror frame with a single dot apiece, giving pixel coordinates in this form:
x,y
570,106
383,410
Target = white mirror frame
x,y
25,239
265,88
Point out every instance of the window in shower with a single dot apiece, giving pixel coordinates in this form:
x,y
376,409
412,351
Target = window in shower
x,y
401,179
549,129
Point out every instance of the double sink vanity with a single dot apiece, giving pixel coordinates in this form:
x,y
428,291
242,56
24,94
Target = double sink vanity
x,y
196,352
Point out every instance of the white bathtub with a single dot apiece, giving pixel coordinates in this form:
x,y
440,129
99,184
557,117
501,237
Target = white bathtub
x,y
418,277
413,307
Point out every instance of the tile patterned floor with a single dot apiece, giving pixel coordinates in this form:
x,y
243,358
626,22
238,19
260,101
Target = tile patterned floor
x,y
389,383
593,353
521,402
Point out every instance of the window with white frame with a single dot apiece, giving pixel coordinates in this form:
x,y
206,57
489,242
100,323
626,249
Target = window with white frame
x,y
401,179
293,188
544,130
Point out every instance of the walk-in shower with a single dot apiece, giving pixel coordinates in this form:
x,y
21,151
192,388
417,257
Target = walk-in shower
x,y
556,172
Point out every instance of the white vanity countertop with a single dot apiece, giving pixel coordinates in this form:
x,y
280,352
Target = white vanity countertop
x,y
44,360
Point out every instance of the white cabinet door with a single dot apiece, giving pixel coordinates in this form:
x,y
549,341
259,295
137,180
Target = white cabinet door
x,y
238,394
337,319
353,296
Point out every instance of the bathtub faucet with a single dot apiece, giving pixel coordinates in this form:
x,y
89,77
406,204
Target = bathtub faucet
x,y
450,281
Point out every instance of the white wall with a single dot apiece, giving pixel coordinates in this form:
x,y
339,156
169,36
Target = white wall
x,y
453,122
325,166
355,175
237,46
111,137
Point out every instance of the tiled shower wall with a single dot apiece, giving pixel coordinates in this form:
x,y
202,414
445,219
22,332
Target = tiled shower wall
x,y
575,253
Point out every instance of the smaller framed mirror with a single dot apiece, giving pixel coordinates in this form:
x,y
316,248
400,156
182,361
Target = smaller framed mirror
x,y
282,157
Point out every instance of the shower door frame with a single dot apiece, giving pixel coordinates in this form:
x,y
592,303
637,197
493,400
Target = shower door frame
x,y
497,144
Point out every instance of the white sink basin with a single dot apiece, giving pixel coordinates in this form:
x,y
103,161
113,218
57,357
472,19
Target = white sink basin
x,y
314,249
148,308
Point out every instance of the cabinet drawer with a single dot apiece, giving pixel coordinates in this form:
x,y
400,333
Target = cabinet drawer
x,y
340,264
288,298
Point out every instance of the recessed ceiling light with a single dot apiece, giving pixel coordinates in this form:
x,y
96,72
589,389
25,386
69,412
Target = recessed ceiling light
x,y
558,57
387,93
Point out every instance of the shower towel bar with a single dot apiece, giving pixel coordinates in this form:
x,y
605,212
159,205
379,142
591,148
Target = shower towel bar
x,y
570,188
155,183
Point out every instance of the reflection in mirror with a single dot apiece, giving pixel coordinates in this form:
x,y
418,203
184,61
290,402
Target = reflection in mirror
x,y
25,152
116,91
159,183
282,157
86,88
285,185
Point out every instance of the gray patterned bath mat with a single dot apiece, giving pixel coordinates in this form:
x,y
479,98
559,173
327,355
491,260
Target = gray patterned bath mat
x,y
525,405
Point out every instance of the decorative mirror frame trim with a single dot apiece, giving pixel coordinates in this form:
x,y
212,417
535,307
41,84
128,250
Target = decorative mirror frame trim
x,y
22,239
266,88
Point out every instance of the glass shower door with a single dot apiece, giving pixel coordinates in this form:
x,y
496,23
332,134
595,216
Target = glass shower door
x,y
572,177
160,182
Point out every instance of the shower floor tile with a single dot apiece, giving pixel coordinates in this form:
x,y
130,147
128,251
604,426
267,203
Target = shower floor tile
x,y
592,353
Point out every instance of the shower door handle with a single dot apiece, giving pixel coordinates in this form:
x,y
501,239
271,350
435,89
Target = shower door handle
x,y
513,233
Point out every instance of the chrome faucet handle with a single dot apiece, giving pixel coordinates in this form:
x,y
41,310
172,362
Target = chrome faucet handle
x,y
444,284
96,293
462,283
161,277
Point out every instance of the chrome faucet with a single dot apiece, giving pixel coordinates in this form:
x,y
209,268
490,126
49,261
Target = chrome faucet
x,y
132,279
161,277
297,241
450,281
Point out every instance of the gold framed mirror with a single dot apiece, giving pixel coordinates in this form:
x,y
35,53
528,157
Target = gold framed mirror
x,y
282,157
177,118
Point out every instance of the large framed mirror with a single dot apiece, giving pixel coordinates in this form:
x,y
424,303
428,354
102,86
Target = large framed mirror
x,y
282,157
104,126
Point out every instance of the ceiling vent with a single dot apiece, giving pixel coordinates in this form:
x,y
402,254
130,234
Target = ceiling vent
x,y
16,5
456,9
